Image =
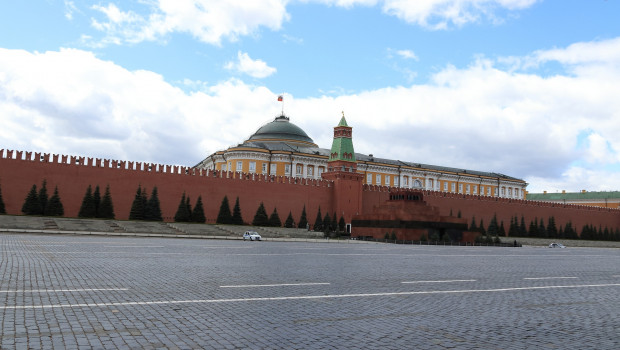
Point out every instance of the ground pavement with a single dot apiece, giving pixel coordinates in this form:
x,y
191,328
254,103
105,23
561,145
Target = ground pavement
x,y
104,292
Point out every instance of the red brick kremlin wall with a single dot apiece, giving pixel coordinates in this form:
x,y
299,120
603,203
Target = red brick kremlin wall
x,y
20,170
483,207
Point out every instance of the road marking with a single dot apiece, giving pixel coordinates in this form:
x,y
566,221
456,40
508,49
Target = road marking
x,y
548,278
301,297
446,281
276,285
61,290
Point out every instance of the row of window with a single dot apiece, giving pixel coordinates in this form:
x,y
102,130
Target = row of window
x,y
444,185
273,169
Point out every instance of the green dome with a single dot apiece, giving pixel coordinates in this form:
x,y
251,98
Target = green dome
x,y
282,130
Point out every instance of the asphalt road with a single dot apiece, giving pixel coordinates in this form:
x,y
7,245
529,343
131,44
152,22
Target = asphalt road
x,y
86,292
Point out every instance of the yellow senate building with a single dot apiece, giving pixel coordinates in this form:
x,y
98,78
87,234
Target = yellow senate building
x,y
281,148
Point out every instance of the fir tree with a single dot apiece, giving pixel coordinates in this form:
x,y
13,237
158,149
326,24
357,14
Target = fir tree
x,y
54,205
43,197
303,221
552,230
274,219
198,214
327,221
334,224
137,207
237,219
493,229
318,222
513,229
87,210
31,204
473,227
481,228
542,231
2,208
341,224
534,228
260,218
501,231
153,209
106,208
97,201
289,223
522,227
224,216
182,215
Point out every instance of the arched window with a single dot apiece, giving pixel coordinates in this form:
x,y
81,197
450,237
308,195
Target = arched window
x,y
417,184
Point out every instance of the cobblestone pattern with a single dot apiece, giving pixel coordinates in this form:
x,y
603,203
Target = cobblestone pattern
x,y
85,292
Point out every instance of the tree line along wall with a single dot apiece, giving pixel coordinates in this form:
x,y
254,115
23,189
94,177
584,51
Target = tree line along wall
x,y
20,170
483,207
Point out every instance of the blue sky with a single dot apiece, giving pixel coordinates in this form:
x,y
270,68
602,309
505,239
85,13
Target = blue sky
x,y
522,87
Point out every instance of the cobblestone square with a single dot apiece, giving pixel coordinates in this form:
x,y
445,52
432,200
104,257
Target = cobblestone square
x,y
103,292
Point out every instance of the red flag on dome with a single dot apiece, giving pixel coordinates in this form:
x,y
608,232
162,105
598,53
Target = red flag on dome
x,y
280,98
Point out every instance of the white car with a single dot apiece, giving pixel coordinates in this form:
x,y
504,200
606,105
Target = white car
x,y
252,236
556,245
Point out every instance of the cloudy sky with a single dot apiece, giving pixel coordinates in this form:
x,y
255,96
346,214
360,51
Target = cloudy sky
x,y
528,88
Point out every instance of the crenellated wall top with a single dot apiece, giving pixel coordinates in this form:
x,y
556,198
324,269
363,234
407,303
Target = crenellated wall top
x,y
123,165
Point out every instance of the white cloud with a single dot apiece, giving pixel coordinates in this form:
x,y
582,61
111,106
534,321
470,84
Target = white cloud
x,y
440,14
407,54
254,68
555,132
70,8
207,20
211,21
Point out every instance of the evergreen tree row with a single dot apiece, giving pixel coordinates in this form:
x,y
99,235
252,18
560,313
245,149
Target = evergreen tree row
x,y
38,202
538,229
95,206
145,208
185,213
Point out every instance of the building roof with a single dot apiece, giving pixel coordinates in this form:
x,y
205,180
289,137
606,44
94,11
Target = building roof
x,y
583,196
281,129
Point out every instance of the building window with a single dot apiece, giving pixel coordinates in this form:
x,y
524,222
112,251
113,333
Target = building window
x,y
430,184
287,169
489,191
299,170
387,180
369,179
405,181
396,181
467,188
453,187
224,167
321,169
378,179
273,169
239,166
310,171
252,167
445,186
517,193
460,188
264,168
417,183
